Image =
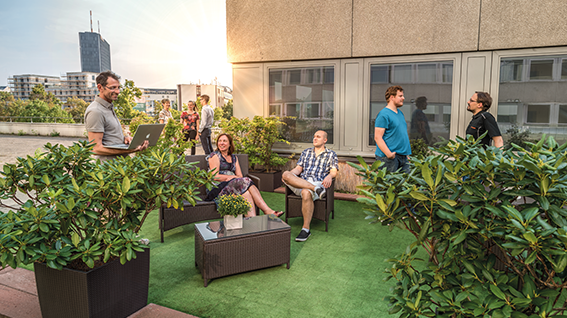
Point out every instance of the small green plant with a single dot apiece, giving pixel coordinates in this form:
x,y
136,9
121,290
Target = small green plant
x,y
34,132
54,134
21,132
232,204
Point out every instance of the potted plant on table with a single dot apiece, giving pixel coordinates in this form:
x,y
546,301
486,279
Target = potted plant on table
x,y
492,223
231,207
77,220
256,138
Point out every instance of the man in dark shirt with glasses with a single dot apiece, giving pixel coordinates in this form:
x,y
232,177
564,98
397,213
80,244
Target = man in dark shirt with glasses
x,y
483,121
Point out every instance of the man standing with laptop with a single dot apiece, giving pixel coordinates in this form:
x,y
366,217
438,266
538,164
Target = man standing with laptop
x,y
101,122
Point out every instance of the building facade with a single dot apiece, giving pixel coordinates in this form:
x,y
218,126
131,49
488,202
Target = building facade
x,y
80,85
146,102
326,65
21,85
74,84
218,94
95,53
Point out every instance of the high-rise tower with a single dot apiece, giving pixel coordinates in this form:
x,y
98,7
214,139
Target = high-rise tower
x,y
95,53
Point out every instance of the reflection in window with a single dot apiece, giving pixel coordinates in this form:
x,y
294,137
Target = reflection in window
x,y
294,77
447,73
311,110
307,98
538,114
275,110
427,91
378,74
541,69
329,74
402,73
511,70
536,103
313,76
426,73
562,114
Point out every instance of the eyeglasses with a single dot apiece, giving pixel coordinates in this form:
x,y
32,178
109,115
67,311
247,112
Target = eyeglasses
x,y
473,101
113,88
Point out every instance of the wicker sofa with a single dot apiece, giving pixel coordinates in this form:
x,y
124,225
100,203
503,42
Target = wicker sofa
x,y
170,218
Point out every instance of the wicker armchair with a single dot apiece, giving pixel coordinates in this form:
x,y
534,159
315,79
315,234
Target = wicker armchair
x,y
322,208
170,218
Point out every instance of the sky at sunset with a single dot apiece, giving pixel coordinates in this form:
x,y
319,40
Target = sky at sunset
x,y
157,44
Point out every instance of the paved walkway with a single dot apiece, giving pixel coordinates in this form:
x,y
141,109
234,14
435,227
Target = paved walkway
x,y
18,293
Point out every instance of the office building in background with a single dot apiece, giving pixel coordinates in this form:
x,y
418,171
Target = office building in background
x,y
95,53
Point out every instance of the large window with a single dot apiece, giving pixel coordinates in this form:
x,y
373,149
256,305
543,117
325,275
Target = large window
x,y
427,90
533,96
304,97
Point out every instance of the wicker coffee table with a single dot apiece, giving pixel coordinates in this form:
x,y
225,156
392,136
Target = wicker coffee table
x,y
263,241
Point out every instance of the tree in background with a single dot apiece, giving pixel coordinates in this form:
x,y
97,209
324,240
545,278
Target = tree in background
x,y
227,110
41,111
38,93
124,105
6,101
76,108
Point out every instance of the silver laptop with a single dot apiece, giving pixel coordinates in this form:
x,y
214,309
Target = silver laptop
x,y
149,132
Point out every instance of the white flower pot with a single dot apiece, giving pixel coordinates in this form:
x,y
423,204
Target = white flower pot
x,y
231,222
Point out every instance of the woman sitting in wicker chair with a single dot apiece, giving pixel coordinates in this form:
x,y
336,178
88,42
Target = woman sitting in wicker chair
x,y
230,177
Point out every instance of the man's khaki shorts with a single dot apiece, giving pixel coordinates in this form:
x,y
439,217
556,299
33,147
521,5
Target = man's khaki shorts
x,y
310,180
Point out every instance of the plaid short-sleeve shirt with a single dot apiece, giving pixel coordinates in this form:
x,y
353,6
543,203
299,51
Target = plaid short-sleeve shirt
x,y
317,167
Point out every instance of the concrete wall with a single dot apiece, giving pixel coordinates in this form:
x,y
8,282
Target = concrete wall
x,y
43,129
275,30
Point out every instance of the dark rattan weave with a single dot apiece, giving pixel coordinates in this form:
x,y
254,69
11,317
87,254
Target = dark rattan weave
x,y
233,255
321,210
170,218
112,290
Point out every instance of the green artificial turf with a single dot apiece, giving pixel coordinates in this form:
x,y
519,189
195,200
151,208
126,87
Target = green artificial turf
x,y
333,274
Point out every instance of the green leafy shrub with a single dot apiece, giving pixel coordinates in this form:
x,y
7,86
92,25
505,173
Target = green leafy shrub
x,y
419,148
517,136
232,204
256,138
492,222
64,206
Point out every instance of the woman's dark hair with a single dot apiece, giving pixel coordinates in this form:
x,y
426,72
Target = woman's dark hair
x,y
231,147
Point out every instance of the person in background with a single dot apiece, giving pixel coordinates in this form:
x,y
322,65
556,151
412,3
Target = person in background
x,y
391,132
483,121
207,117
190,120
165,114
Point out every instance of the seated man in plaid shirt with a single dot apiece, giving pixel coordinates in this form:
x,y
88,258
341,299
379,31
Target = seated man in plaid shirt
x,y
314,172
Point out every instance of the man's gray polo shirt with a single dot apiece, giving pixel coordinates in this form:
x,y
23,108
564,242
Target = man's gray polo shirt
x,y
100,117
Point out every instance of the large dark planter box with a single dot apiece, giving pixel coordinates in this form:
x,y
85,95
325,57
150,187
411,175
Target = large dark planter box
x,y
268,180
111,290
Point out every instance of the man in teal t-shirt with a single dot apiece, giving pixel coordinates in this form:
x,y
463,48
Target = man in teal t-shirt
x,y
391,132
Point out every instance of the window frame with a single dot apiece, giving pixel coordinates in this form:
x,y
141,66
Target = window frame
x,y
456,58
336,64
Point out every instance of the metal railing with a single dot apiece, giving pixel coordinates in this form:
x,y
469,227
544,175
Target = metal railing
x,y
52,120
